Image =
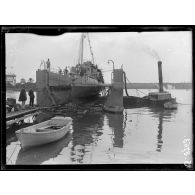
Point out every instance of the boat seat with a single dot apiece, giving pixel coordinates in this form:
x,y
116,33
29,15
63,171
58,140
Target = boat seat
x,y
48,128
59,121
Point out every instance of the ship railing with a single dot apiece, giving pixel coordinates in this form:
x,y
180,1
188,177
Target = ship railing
x,y
53,70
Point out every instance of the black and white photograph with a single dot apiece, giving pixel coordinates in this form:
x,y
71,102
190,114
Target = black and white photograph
x,y
109,96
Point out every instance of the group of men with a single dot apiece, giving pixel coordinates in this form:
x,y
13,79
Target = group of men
x,y
60,70
23,97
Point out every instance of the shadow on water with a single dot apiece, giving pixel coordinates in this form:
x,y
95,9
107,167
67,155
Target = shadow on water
x,y
86,131
117,122
162,115
39,154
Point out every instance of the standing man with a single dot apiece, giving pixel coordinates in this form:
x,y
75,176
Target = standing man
x,y
32,96
66,70
22,97
60,71
48,64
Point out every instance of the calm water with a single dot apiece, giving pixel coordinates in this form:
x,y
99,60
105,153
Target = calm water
x,y
138,136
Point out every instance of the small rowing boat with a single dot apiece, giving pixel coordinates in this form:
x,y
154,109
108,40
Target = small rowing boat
x,y
45,132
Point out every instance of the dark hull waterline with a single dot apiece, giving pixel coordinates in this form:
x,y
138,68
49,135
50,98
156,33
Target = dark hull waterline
x,y
85,91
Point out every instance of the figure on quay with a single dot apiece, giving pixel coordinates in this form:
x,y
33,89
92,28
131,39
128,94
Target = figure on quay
x,y
22,97
32,96
60,71
66,71
48,64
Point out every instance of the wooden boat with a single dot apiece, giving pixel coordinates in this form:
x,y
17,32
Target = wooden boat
x,y
45,132
161,98
39,154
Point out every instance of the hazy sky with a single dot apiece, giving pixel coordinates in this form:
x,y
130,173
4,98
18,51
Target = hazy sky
x,y
138,52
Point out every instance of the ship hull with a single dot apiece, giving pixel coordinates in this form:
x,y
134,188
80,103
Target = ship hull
x,y
85,91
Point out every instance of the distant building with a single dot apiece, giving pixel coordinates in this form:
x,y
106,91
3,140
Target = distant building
x,y
11,79
22,81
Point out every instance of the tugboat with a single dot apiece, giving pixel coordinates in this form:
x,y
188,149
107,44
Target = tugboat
x,y
161,98
171,104
86,77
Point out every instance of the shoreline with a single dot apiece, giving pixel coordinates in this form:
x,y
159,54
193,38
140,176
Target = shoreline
x,y
18,90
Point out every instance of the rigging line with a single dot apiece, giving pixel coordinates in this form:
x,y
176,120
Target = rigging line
x,y
80,54
79,51
90,48
125,78
135,88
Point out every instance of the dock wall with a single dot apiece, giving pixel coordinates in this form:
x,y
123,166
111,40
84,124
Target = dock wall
x,y
52,88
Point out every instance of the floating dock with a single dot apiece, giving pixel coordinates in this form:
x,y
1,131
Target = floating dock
x,y
21,113
55,89
17,116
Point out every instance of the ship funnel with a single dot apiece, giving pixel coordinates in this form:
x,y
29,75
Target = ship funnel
x,y
160,76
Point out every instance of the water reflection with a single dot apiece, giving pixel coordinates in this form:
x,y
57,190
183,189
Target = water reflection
x,y
90,139
86,131
43,116
39,154
117,122
159,135
162,115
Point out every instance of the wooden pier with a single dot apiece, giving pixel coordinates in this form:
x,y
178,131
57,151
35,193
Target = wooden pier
x,y
17,116
21,113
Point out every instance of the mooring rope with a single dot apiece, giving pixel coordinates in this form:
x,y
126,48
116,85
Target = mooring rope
x,y
131,84
183,103
125,78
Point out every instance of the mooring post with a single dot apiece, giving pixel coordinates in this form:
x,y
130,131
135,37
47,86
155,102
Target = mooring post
x,y
114,101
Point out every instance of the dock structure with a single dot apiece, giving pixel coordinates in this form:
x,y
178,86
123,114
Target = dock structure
x,y
17,116
114,101
52,88
16,120
55,89
21,113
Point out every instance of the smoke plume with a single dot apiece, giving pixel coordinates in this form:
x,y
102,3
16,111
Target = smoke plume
x,y
152,53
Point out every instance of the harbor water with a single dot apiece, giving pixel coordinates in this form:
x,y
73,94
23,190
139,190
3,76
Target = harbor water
x,y
137,136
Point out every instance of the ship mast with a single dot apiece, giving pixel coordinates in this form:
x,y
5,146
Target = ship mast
x,y
90,48
80,59
81,50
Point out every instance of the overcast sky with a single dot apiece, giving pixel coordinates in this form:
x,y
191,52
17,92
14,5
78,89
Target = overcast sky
x,y
138,52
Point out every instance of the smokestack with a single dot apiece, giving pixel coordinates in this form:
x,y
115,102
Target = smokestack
x,y
160,76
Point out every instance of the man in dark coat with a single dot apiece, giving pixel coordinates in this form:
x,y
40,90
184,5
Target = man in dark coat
x,y
32,96
48,64
22,97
